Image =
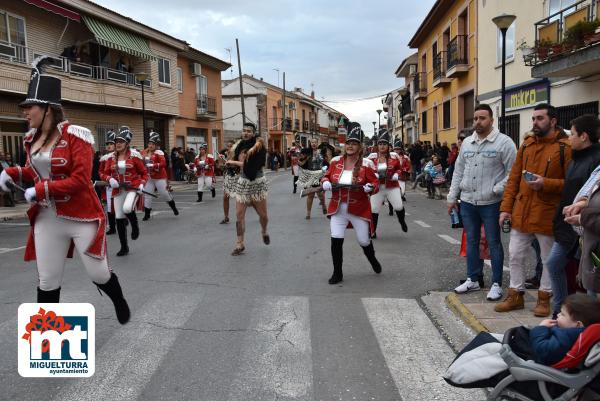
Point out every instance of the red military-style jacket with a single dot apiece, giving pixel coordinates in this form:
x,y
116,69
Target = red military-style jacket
x,y
69,189
135,171
357,199
208,168
158,171
394,166
405,167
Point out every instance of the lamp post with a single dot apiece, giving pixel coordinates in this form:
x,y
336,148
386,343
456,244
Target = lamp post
x,y
141,78
503,22
374,129
379,115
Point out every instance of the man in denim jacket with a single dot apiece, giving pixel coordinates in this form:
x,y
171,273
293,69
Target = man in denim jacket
x,y
480,174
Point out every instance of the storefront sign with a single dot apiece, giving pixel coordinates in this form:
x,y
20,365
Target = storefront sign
x,y
527,96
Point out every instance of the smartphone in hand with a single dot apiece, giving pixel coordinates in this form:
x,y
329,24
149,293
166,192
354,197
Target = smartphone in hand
x,y
528,176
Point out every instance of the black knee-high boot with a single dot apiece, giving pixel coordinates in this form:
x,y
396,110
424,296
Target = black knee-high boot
x,y
147,212
171,203
111,223
213,192
295,183
337,254
391,209
122,230
370,254
375,217
402,219
135,228
112,288
199,197
51,296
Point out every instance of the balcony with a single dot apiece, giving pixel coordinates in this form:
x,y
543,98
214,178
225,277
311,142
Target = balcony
x,y
439,70
206,107
420,85
405,109
296,125
458,58
567,42
305,126
288,124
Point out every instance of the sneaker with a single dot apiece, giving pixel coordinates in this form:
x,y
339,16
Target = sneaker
x,y
495,293
467,286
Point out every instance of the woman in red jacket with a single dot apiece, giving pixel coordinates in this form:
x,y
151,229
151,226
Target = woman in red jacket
x,y
126,174
156,164
65,212
350,178
204,166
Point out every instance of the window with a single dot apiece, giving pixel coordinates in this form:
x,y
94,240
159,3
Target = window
x,y
446,117
424,122
164,71
12,30
101,130
555,6
179,79
510,44
201,91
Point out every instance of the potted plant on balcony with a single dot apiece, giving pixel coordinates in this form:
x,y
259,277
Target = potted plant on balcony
x,y
581,34
593,34
542,48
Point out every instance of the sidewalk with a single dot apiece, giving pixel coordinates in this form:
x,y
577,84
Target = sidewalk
x,y
12,213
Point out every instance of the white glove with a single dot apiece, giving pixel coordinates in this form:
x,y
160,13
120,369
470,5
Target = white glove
x,y
150,165
30,195
327,186
202,163
395,177
140,189
113,183
5,179
368,188
324,168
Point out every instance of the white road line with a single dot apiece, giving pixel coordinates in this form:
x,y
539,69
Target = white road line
x,y
488,263
449,239
14,224
414,350
276,361
422,224
129,359
6,250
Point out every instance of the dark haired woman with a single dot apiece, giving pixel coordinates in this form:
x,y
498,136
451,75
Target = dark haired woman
x,y
155,162
65,212
351,179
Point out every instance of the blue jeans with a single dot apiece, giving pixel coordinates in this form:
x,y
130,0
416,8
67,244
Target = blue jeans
x,y
488,215
557,262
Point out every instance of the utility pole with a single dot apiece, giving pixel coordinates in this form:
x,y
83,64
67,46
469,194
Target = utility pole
x,y
237,45
283,119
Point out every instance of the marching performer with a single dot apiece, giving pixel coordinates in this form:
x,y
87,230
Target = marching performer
x,y
156,164
65,213
230,177
405,167
204,165
294,154
126,174
388,169
252,185
313,163
351,179
107,195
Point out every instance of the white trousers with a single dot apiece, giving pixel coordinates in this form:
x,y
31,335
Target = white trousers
x,y
108,190
125,203
204,181
339,222
52,236
161,186
393,196
402,187
519,249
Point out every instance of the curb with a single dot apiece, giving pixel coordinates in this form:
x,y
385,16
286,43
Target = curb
x,y
14,217
464,313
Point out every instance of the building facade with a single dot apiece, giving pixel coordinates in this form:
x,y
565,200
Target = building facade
x,y
409,120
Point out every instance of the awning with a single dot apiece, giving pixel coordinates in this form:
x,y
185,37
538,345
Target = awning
x,y
53,8
119,39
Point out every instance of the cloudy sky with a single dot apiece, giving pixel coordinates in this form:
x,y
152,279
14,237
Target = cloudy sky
x,y
345,49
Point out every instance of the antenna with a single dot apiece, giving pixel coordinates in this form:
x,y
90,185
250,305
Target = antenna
x,y
228,50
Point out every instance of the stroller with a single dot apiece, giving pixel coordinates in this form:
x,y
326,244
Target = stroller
x,y
512,377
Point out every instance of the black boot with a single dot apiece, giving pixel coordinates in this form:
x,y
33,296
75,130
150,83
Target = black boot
x,y
370,254
51,296
199,197
391,209
112,288
122,230
135,228
337,254
146,214
213,192
171,203
295,188
111,223
402,219
375,217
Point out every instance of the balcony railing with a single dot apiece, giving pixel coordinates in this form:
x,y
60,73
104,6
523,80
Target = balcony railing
x,y
457,51
288,124
296,125
420,84
206,105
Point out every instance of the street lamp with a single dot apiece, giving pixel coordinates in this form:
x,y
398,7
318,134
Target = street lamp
x,y
503,22
379,114
374,130
141,78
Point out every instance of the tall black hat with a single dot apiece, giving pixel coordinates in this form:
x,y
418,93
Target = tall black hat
x,y
154,137
383,136
43,89
110,137
124,134
355,133
398,144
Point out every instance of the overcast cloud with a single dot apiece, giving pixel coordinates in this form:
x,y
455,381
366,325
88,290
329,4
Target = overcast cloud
x,y
347,49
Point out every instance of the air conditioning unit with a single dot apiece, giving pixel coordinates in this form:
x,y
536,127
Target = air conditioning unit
x,y
292,106
195,69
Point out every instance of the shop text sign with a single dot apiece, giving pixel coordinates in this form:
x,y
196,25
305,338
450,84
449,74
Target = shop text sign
x,y
527,96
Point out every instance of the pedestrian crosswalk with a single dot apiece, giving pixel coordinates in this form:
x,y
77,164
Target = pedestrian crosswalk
x,y
275,359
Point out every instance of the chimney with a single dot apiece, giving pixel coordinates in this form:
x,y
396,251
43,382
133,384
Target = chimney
x,y
261,78
312,94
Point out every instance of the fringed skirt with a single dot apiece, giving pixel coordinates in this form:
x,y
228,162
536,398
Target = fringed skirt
x,y
229,184
310,178
247,191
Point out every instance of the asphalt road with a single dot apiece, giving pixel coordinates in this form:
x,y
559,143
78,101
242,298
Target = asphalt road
x,y
262,326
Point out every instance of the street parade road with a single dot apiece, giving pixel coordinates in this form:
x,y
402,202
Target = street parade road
x,y
262,326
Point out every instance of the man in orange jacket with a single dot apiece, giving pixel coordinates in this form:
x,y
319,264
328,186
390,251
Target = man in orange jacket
x,y
530,200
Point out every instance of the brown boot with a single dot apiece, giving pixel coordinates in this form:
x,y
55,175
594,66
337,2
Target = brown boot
x,y
514,300
542,309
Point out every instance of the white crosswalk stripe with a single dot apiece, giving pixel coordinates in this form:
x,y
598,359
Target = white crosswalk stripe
x,y
414,351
